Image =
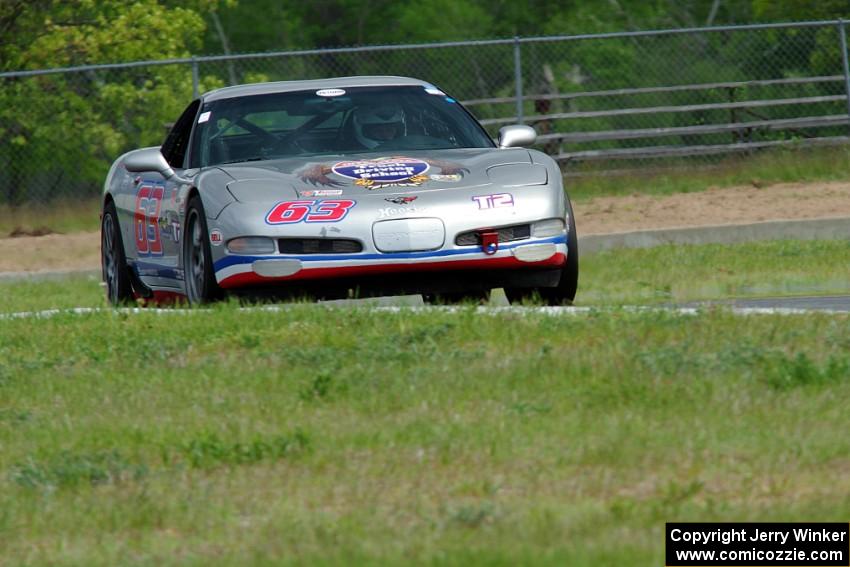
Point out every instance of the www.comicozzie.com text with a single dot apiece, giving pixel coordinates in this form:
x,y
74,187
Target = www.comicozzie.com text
x,y
743,534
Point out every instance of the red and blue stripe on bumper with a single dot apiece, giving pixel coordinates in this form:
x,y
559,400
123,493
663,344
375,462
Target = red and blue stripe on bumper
x,y
236,270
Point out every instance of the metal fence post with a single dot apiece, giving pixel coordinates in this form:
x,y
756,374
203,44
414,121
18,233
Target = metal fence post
x,y
842,34
518,79
195,78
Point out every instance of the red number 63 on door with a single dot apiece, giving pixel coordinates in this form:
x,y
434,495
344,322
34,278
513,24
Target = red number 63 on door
x,y
145,220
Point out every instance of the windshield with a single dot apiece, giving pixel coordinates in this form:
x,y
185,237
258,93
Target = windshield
x,y
332,121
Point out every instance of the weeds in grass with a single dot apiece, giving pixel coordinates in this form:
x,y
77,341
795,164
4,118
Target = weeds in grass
x,y
423,338
68,469
673,360
472,515
210,451
800,370
249,340
676,493
780,370
319,388
14,416
529,409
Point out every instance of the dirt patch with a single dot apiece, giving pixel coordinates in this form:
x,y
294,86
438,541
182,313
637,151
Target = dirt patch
x,y
19,232
53,252
734,205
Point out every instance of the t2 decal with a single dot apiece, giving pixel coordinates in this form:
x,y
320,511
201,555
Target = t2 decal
x,y
328,210
494,201
146,220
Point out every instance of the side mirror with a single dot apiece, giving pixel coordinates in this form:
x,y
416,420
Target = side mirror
x,y
151,159
516,136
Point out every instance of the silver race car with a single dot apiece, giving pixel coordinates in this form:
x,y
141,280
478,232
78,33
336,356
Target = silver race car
x,y
334,188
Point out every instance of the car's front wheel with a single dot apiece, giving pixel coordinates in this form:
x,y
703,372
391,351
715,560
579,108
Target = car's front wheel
x,y
112,259
565,292
200,284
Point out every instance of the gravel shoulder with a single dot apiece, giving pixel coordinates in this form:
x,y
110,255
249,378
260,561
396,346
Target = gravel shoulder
x,y
53,252
731,205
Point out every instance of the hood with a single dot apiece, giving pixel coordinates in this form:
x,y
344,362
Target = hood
x,y
384,173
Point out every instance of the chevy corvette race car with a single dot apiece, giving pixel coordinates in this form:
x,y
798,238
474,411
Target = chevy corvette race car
x,y
333,188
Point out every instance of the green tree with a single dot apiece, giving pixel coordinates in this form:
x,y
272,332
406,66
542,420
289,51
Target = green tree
x,y
797,10
63,130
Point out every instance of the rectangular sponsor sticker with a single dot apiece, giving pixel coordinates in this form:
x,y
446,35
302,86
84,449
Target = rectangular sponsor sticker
x,y
764,544
321,193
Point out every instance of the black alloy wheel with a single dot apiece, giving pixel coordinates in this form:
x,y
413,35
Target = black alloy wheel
x,y
113,261
200,284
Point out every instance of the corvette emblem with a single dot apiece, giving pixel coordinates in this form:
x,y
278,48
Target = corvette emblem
x,y
400,200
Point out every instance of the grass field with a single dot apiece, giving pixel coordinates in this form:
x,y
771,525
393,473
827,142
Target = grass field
x,y
63,216
320,436
655,275
759,170
715,271
316,435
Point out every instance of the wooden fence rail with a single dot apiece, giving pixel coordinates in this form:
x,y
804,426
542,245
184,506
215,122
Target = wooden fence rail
x,y
746,126
657,90
740,127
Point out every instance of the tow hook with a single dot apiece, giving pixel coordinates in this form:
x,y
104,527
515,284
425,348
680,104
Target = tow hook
x,y
490,242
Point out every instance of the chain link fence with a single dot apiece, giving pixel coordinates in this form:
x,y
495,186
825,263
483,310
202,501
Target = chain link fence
x,y
604,103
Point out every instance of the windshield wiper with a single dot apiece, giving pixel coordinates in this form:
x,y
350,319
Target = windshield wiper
x,y
241,160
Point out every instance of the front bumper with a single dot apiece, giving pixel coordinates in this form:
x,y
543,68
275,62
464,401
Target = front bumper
x,y
236,271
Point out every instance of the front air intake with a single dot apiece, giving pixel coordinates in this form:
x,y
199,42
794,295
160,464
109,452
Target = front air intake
x,y
319,246
506,234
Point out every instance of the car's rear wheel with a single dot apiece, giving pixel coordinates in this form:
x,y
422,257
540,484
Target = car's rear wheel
x,y
200,284
112,258
565,292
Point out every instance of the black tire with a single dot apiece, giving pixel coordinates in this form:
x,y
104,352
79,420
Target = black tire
x,y
565,292
113,261
568,286
198,277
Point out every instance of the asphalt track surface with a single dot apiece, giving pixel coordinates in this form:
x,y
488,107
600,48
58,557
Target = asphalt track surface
x,y
833,303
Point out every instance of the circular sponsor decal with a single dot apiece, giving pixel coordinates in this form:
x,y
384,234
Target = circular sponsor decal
x,y
381,171
330,92
216,238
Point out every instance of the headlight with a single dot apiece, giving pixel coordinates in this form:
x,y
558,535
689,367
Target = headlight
x,y
549,227
251,245
518,175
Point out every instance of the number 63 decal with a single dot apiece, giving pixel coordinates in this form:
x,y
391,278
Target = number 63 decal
x,y
290,212
145,217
